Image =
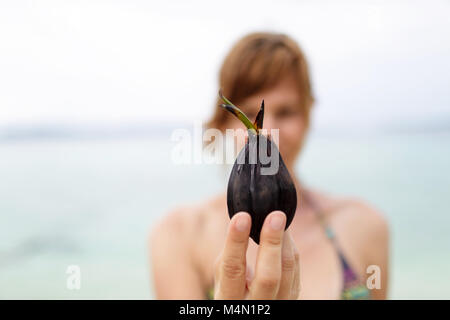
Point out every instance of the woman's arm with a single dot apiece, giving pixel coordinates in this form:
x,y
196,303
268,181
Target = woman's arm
x,y
174,272
378,252
372,228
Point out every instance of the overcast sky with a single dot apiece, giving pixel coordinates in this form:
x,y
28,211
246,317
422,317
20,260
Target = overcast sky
x,y
372,62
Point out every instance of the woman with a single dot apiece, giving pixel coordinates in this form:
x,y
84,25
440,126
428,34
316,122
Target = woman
x,y
331,242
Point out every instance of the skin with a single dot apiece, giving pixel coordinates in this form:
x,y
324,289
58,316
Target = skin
x,y
210,250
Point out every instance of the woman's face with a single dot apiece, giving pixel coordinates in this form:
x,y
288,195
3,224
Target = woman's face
x,y
281,111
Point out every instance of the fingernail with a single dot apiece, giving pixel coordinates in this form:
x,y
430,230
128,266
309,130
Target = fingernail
x,y
277,221
242,223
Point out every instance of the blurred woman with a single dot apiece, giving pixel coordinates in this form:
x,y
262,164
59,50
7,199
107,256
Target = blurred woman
x,y
197,252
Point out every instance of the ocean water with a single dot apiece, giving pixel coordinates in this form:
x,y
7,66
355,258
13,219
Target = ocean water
x,y
91,203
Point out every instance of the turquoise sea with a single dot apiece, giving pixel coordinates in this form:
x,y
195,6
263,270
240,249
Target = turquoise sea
x,y
91,202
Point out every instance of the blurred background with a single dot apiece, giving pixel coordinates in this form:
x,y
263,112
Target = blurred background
x,y
90,92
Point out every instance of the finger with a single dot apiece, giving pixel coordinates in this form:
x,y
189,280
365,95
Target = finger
x,y
296,286
268,265
249,276
232,267
287,268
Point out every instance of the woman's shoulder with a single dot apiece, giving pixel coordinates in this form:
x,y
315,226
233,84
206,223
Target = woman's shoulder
x,y
361,229
353,214
188,219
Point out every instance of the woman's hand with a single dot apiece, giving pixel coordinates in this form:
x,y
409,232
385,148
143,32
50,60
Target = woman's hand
x,y
276,273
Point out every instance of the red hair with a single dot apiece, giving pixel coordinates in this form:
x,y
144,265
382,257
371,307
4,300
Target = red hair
x,y
257,62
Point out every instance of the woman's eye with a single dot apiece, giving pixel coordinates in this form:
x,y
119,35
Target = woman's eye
x,y
285,113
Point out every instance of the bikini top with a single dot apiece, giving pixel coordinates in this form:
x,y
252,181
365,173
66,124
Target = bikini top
x,y
353,288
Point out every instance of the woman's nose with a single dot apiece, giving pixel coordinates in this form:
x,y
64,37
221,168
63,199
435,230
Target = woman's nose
x,y
269,123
